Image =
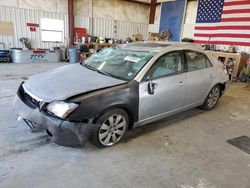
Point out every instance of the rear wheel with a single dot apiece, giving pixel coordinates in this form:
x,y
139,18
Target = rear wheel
x,y
212,98
112,126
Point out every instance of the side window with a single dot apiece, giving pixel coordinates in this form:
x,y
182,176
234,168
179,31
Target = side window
x,y
168,64
209,64
197,61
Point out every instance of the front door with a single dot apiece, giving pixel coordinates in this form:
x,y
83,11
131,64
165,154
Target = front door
x,y
168,80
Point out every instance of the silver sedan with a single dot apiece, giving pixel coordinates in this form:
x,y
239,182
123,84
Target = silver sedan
x,y
120,88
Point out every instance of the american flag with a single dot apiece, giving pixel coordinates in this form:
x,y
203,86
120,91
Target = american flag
x,y
225,22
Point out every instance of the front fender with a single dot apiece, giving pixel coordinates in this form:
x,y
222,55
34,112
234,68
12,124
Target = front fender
x,y
92,106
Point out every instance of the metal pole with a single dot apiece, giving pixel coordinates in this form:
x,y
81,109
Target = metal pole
x,y
152,11
183,20
71,22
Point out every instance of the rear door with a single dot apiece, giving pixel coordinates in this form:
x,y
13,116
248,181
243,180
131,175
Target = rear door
x,y
200,77
167,74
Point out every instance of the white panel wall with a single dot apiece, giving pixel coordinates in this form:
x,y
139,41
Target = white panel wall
x,y
103,27
127,29
82,21
130,18
153,28
20,17
190,19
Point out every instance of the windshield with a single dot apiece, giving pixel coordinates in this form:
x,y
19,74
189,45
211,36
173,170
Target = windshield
x,y
118,63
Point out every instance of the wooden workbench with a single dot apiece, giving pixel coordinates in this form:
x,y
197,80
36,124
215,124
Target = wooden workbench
x,y
239,58
97,46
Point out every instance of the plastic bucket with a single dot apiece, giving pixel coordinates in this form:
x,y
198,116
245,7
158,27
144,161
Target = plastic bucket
x,y
73,55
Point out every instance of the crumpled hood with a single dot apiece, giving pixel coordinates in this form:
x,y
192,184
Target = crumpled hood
x,y
67,81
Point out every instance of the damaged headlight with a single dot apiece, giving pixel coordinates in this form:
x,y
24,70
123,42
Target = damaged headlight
x,y
61,109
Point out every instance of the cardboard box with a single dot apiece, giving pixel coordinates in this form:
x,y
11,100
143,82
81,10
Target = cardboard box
x,y
137,37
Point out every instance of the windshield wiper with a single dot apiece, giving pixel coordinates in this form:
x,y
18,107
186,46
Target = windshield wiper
x,y
89,67
103,72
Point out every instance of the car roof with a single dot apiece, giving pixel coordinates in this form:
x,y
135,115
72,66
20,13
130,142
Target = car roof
x,y
159,46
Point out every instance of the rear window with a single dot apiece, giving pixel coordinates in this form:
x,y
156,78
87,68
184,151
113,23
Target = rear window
x,y
197,61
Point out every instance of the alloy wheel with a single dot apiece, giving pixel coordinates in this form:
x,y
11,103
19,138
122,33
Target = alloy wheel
x,y
213,97
112,130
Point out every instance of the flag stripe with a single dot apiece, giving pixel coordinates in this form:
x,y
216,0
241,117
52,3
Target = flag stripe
x,y
235,19
233,11
213,39
209,39
223,32
222,35
224,24
226,27
243,15
237,3
236,7
223,43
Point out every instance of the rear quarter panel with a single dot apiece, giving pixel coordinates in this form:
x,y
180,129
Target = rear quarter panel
x,y
221,76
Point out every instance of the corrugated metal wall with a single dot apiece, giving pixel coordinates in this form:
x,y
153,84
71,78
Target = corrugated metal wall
x,y
20,17
153,28
127,29
190,18
101,27
82,21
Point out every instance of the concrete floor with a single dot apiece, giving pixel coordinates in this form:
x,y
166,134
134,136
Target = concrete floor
x,y
188,150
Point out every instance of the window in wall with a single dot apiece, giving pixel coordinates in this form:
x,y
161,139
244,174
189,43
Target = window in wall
x,y
52,30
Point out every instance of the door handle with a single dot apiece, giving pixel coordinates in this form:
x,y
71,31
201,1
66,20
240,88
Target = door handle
x,y
211,75
180,83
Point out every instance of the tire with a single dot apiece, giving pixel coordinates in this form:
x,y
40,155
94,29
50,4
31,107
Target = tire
x,y
111,128
212,98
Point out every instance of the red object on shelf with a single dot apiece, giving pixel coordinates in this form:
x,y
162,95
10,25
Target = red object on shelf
x,y
81,32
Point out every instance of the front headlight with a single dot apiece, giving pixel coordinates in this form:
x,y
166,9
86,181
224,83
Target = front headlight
x,y
61,109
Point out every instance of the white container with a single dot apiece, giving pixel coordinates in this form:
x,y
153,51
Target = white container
x,y
36,56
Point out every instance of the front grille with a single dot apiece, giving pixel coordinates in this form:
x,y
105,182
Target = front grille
x,y
27,99
33,126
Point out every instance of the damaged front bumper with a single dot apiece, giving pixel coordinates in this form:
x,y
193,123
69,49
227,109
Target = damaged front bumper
x,y
62,132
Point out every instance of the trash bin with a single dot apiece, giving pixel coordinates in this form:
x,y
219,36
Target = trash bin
x,y
73,55
36,56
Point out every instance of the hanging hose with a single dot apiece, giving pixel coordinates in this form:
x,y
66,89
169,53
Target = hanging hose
x,y
26,43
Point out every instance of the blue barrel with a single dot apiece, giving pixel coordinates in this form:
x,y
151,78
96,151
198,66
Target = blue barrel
x,y
73,55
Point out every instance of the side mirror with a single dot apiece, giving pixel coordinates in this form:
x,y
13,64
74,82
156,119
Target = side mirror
x,y
151,87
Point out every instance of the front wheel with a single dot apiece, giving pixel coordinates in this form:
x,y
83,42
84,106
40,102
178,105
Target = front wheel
x,y
212,98
112,128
